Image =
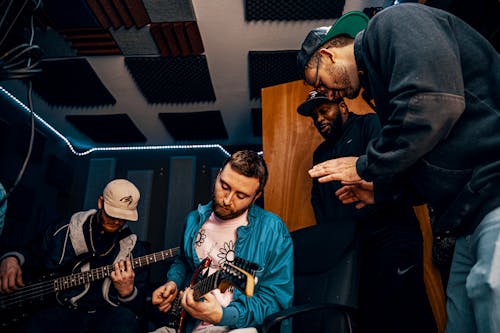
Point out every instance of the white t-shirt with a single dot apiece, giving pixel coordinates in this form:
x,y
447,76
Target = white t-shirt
x,y
216,240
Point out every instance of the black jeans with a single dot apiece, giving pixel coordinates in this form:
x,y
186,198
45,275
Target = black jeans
x,y
392,293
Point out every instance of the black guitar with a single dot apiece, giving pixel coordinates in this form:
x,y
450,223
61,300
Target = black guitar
x,y
240,273
12,305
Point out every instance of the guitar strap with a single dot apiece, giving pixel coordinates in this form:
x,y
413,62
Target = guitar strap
x,y
126,246
79,244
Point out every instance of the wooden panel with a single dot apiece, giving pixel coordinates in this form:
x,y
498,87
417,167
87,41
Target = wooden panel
x,y
288,141
432,277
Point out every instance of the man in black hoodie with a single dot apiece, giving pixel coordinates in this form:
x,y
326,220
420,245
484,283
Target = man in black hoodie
x,y
434,82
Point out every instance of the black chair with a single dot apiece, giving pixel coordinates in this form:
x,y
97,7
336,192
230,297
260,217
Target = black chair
x,y
326,283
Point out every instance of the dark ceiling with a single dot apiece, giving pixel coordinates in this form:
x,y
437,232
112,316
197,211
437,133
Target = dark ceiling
x,y
156,72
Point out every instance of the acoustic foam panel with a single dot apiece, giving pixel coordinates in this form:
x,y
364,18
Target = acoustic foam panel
x,y
67,81
143,179
169,11
195,126
20,204
53,44
178,38
59,173
5,131
269,68
22,137
101,171
280,10
181,186
135,42
118,13
109,128
172,79
257,122
92,41
67,14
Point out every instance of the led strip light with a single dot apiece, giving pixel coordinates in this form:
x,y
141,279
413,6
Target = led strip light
x,y
95,149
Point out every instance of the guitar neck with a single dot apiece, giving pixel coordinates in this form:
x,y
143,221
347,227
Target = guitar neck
x,y
206,285
81,278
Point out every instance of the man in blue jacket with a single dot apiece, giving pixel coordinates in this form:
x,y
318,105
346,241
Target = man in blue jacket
x,y
230,226
434,82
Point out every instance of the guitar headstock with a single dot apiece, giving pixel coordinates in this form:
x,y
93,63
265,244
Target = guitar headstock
x,y
240,273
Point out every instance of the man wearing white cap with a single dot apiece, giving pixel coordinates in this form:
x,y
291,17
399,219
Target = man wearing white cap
x,y
104,305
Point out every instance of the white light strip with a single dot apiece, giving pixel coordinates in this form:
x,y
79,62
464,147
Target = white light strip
x,y
91,150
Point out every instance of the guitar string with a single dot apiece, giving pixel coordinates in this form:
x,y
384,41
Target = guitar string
x,y
45,287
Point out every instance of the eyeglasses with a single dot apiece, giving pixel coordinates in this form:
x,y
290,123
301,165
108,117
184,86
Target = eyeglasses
x,y
315,83
316,79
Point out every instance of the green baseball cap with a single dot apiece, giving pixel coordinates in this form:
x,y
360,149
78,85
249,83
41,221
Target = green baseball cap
x,y
348,24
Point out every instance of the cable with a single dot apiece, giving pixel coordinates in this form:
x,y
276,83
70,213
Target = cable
x,y
23,73
13,21
16,63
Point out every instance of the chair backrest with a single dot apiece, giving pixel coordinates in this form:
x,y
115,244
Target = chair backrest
x,y
326,271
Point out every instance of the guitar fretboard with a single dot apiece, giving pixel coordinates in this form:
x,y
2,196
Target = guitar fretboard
x,y
207,284
78,279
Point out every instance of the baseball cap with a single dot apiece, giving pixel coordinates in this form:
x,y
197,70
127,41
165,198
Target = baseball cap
x,y
120,199
348,24
314,99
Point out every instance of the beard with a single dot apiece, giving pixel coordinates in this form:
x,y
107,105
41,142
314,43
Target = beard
x,y
335,129
224,212
344,82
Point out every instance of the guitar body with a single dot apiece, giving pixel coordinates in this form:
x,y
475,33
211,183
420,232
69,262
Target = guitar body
x,y
240,274
39,293
177,314
18,305
13,314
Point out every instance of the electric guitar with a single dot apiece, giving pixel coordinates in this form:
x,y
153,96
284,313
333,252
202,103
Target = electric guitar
x,y
12,305
240,274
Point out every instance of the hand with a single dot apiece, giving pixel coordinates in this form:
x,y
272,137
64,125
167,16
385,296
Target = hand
x,y
11,275
164,296
208,310
342,168
360,192
123,277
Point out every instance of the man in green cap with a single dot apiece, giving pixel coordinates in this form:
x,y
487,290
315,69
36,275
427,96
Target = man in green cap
x,y
434,82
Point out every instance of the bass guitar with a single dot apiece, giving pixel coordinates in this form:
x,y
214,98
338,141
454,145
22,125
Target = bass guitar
x,y
13,304
240,273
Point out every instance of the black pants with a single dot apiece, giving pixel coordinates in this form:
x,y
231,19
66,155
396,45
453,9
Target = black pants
x,y
392,291
108,319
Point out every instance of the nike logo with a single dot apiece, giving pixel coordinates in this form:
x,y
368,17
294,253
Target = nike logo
x,y
404,271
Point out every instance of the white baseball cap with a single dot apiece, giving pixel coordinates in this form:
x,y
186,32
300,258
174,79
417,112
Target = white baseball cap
x,y
120,199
